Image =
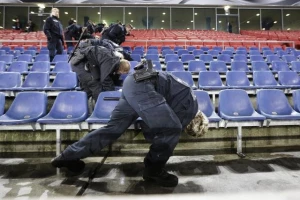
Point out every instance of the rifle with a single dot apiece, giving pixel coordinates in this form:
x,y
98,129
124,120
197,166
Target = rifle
x,y
76,46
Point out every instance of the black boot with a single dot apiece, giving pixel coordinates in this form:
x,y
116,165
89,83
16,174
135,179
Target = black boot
x,y
75,166
161,177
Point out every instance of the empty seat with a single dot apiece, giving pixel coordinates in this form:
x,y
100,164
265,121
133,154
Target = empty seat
x,y
157,65
217,48
185,58
239,66
224,57
229,49
191,48
218,66
66,110
204,48
138,52
32,48
136,57
61,67
238,79
256,58
106,103
260,66
265,49
289,58
175,66
18,66
210,81
235,105
2,103
42,57
182,51
2,52
271,58
60,58
205,105
44,52
7,58
227,52
186,77
273,104
206,58
40,66
289,79
296,100
268,53
35,81
196,66
177,48
2,66
25,57
295,66
171,57
152,51
253,48
280,66
5,48
281,53
214,53
133,64
240,57
254,53
30,52
153,57
27,107
265,79
64,81
10,80
167,51
21,49
241,52
165,48
198,52
70,49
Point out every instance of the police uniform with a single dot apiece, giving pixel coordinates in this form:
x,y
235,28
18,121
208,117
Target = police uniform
x,y
115,33
54,32
166,106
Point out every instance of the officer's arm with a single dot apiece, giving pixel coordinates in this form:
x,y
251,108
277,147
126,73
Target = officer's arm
x,y
47,28
108,84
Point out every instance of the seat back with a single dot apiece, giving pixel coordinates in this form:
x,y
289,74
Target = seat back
x,y
260,66
157,65
254,53
295,66
289,58
206,58
241,52
2,66
235,102
42,57
296,100
153,57
239,66
62,67
271,58
227,52
265,78
171,57
240,57
182,51
10,80
224,57
167,51
36,80
186,77
280,66
40,66
187,57
237,78
256,58
65,80
152,51
25,57
198,52
2,103
60,58
209,79
18,66
288,78
136,57
196,66
204,103
174,66
7,58
218,66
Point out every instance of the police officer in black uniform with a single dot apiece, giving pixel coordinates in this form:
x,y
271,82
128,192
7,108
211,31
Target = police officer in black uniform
x,y
166,105
72,31
54,32
117,33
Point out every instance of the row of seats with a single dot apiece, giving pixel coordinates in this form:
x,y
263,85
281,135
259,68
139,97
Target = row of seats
x,y
234,105
9,58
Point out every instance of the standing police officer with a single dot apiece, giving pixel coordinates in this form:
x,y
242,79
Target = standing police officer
x,y
54,32
166,105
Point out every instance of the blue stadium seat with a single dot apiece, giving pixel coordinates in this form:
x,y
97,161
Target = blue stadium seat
x,y
277,49
127,49
241,49
295,66
268,53
214,53
136,57
174,66
265,48
5,48
205,105
64,81
224,57
254,53
152,51
44,48
157,65
2,66
2,52
206,58
238,79
21,49
27,107
70,49
289,58
182,51
296,100
104,107
167,51
18,66
138,52
186,58
171,57
165,48
280,66
265,79
227,52
235,105
256,58
32,48
30,52
217,48
240,57
25,57
229,49
186,77
218,66
197,52
61,67
239,66
196,66
260,66
204,48
133,64
15,53
271,58
177,48
191,48
296,53
44,52
253,49
153,57
290,49
289,79
60,58
273,104
42,57
7,58
66,110
210,81
152,47
241,52
139,48
40,66
2,103
35,81
281,53
9,81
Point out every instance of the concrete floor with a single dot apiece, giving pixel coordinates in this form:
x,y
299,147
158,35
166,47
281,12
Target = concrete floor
x,y
119,177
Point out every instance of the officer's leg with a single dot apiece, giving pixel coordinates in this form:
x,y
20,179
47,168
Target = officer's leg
x,y
59,46
51,47
92,143
95,87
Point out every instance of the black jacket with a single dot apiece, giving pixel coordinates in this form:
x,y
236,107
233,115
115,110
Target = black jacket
x,y
73,31
115,33
53,28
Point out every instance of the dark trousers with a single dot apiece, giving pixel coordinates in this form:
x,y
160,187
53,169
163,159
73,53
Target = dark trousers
x,y
68,37
55,44
89,85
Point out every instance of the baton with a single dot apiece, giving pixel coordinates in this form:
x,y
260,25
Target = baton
x,y
76,46
111,98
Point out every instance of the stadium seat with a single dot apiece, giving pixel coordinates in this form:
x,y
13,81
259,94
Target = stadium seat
x,y
260,66
218,66
27,107
25,57
35,81
64,81
196,66
240,57
289,79
224,57
268,53
238,79
138,52
191,48
197,52
32,48
229,49
239,66
40,66
241,52
104,107
235,105
280,66
271,58
171,57
70,49
182,51
9,81
60,58
127,49
152,51
186,77
42,57
136,57
217,48
44,52
5,48
152,48
157,65
139,48
210,81
185,58
296,53
241,49
227,52
7,58
165,48
254,53
61,67
296,100
289,58
167,51
265,49
2,103
273,104
2,66
2,52
206,58
281,53
153,57
295,66
256,58
30,52
253,49
214,53
205,105
177,48
21,49
265,79
66,110
174,66
133,64
204,48
18,66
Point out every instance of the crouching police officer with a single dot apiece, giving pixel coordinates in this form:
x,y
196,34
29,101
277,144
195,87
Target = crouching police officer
x,y
72,31
166,105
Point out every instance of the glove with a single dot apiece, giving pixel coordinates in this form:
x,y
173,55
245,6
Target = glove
x,y
198,126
